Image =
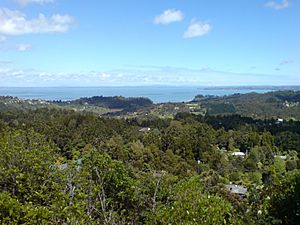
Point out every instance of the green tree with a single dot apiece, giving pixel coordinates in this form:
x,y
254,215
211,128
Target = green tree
x,y
191,204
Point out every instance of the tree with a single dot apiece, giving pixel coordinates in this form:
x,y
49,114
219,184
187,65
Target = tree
x,y
29,183
285,201
191,204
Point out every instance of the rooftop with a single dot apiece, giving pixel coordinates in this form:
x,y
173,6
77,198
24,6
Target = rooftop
x,y
236,189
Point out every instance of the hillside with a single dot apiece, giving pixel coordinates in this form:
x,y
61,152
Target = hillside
x,y
271,105
115,102
58,158
97,104
278,104
60,166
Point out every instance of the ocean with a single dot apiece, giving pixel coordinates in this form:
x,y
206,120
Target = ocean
x,y
158,94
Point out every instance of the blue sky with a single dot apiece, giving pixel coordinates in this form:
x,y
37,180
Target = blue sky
x,y
141,42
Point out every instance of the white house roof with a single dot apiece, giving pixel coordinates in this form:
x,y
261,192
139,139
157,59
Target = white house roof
x,y
236,189
238,153
280,156
145,129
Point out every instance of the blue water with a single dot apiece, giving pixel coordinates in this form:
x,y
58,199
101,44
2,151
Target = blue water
x,y
157,94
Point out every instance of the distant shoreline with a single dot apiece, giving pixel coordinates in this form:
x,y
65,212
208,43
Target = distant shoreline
x,y
202,87
158,94
239,88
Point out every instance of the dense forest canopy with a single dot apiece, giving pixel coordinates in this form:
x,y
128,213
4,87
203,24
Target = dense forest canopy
x,y
116,102
62,166
282,104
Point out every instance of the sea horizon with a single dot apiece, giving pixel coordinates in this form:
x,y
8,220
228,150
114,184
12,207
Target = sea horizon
x,y
157,93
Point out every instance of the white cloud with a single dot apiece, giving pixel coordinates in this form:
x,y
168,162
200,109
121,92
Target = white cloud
x,y
146,75
27,2
276,5
169,16
13,22
23,47
197,28
2,38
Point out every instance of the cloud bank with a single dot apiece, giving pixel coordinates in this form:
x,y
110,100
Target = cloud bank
x,y
13,22
138,76
27,2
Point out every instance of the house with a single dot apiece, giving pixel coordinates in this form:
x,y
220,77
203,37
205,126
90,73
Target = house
x,y
236,189
241,154
280,156
145,129
279,120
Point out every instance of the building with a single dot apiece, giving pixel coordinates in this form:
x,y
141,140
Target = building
x,y
236,189
242,154
280,156
145,129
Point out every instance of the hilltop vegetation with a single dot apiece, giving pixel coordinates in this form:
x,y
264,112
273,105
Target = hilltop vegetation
x,y
97,104
271,105
61,166
116,102
279,104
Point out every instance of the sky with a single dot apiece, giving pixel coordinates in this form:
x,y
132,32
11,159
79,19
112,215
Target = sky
x,y
142,42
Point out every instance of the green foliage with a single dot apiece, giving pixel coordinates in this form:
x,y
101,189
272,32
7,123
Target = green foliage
x,y
291,165
279,165
285,202
13,211
116,102
106,189
283,104
191,204
26,172
221,108
64,167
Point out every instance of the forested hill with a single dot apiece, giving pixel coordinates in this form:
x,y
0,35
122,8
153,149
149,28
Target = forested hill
x,y
64,166
271,105
97,104
115,102
278,104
